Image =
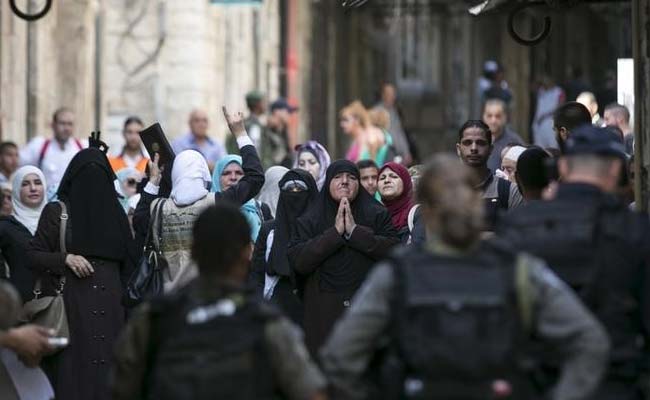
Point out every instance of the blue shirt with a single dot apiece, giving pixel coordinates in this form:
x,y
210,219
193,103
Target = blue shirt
x,y
212,151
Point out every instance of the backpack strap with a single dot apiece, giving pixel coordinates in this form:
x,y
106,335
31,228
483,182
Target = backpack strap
x,y
524,294
411,217
503,192
78,143
41,154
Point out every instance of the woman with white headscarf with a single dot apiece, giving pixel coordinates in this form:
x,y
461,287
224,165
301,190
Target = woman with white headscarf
x,y
16,230
509,162
313,158
270,192
190,195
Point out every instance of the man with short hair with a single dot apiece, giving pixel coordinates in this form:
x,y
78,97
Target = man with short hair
x,y
495,115
255,122
369,173
588,100
455,318
619,116
598,247
52,155
132,154
400,136
8,161
275,140
568,117
198,139
474,147
531,175
211,339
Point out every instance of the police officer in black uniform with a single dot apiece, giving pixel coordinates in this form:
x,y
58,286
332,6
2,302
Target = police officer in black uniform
x,y
599,247
212,339
452,319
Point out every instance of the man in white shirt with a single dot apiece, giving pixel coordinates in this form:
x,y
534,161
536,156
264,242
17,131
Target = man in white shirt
x,y
53,155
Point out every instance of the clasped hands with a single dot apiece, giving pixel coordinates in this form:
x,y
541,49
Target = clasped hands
x,y
344,222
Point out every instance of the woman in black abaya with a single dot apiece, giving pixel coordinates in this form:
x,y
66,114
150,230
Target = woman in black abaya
x,y
272,273
335,244
95,267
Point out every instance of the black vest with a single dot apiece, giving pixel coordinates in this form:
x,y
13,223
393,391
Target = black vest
x,y
457,325
201,356
597,247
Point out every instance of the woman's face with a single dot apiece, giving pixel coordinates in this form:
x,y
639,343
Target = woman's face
x,y
343,185
348,123
390,185
230,176
309,163
32,191
6,207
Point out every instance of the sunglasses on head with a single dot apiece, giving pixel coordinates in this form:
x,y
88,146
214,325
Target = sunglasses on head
x,y
295,186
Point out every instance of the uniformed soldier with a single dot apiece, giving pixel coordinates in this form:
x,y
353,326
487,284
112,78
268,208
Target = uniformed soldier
x,y
600,248
456,314
210,339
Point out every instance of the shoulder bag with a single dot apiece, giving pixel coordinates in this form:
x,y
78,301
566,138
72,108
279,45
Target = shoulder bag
x,y
49,311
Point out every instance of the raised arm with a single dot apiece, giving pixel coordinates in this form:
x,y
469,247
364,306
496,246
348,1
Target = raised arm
x,y
253,180
142,211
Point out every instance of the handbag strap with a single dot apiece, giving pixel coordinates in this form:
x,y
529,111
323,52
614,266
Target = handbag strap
x,y
63,226
157,218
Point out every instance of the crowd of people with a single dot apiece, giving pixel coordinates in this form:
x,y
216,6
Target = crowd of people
x,y
505,270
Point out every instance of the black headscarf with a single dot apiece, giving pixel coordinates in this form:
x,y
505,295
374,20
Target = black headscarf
x,y
346,268
100,227
291,205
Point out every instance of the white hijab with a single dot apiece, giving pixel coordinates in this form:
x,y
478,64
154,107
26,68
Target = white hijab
x,y
190,178
270,192
26,215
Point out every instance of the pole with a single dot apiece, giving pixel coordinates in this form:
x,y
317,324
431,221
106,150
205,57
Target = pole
x,y
640,31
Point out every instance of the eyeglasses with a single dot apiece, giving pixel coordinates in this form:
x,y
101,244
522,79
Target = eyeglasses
x,y
131,182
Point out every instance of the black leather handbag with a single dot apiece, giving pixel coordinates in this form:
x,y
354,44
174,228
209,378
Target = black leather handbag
x,y
147,280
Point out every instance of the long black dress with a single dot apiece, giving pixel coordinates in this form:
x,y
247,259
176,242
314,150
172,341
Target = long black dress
x,y
277,233
334,267
99,231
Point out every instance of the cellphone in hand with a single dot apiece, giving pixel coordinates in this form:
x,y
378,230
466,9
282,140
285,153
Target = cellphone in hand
x,y
58,341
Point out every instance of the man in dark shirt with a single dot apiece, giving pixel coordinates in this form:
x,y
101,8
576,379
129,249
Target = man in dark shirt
x,y
474,147
495,115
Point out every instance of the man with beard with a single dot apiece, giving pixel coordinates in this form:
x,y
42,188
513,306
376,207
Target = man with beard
x,y
474,147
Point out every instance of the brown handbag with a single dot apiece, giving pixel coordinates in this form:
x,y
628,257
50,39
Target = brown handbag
x,y
49,311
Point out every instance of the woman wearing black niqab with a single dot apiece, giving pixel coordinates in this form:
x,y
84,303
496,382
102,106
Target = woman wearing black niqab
x,y
97,263
335,244
271,272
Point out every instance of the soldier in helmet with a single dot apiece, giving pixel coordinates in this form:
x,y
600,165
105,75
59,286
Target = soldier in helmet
x,y
456,314
598,247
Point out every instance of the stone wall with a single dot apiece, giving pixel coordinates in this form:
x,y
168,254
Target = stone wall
x,y
158,59
182,55
60,73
